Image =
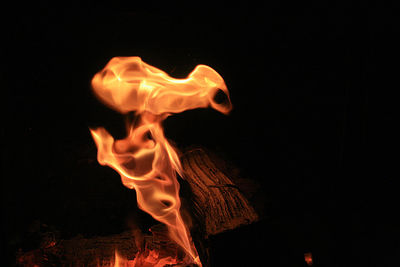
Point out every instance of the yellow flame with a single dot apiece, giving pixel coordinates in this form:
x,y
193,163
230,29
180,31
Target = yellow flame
x,y
145,159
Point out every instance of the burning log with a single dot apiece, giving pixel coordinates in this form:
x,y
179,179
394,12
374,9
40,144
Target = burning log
x,y
218,205
101,251
80,251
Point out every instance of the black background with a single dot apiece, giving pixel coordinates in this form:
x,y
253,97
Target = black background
x,y
308,102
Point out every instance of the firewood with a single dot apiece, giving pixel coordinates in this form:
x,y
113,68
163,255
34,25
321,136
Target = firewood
x,y
81,251
99,251
217,202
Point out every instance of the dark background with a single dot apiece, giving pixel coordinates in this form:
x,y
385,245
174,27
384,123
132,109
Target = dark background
x,y
310,122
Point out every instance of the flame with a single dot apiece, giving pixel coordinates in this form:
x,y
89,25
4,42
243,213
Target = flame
x,y
145,159
148,259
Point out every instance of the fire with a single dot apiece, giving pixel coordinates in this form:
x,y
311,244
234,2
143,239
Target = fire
x,y
146,161
148,259
128,84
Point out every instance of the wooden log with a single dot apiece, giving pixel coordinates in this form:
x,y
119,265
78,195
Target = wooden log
x,y
217,203
81,251
100,251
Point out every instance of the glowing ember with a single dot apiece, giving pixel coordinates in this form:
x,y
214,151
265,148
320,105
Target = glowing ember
x,y
308,258
145,159
149,258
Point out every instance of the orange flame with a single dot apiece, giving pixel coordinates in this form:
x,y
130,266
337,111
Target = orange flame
x,y
149,259
145,159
